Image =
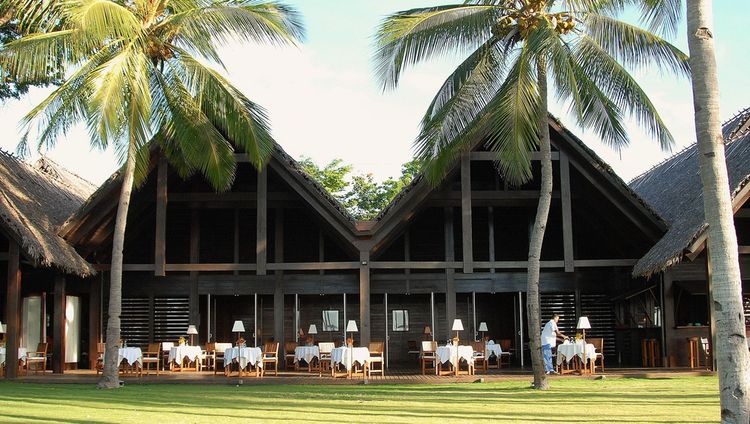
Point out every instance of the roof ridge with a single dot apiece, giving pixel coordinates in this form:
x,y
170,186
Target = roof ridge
x,y
662,162
45,158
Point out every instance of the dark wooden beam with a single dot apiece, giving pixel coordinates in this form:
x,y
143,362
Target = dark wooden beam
x,y
450,273
364,298
593,263
416,264
261,245
447,195
95,299
744,250
491,156
567,215
321,249
466,230
58,326
12,310
278,292
491,231
160,244
195,248
246,198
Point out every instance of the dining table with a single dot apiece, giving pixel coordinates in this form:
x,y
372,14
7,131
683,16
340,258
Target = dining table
x,y
348,356
133,358
454,354
585,352
179,355
243,357
307,354
21,354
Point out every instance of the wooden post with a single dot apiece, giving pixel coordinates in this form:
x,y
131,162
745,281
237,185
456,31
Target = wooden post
x,y
58,326
13,310
95,300
450,284
161,218
278,293
491,230
671,344
364,298
466,231
195,236
236,238
567,216
262,222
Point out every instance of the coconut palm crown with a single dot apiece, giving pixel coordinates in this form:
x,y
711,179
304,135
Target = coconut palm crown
x,y
494,93
137,72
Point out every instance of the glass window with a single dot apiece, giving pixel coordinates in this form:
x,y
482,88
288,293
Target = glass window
x,y
331,320
400,320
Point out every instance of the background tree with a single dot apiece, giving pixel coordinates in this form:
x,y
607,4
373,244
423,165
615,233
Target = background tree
x,y
135,75
499,93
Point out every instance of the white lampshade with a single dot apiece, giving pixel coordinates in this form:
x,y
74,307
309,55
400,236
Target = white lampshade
x,y
457,325
313,329
583,323
238,327
483,326
351,326
192,330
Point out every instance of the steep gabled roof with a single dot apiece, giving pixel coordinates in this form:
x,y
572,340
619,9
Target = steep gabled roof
x,y
674,189
34,202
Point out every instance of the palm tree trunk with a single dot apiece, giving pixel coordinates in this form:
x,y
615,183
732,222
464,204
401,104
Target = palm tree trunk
x,y
731,346
533,313
110,378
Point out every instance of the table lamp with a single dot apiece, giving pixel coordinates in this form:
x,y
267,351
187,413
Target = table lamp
x,y
427,332
483,328
457,326
351,327
312,331
238,328
583,324
192,331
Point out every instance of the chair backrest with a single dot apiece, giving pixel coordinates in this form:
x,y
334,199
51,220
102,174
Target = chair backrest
x,y
271,348
289,347
412,345
166,346
153,347
598,343
210,347
505,344
704,344
376,347
221,347
42,347
326,347
478,347
428,346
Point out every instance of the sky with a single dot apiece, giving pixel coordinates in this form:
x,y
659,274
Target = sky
x,y
324,100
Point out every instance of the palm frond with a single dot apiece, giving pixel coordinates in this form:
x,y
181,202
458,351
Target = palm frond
x,y
633,46
662,16
102,19
406,38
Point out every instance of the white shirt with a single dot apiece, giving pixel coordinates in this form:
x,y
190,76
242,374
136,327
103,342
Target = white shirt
x,y
549,334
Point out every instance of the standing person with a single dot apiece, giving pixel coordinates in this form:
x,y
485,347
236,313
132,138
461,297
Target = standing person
x,y
550,333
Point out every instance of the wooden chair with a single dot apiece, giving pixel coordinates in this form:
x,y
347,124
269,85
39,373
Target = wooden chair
x,y
324,361
38,357
507,346
706,351
209,357
598,343
480,358
165,348
219,349
99,365
413,348
289,348
377,352
270,356
152,356
428,354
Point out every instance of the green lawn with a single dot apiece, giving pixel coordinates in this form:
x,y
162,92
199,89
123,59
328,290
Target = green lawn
x,y
687,399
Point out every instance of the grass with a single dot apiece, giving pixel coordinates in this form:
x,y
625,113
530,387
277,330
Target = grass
x,y
685,399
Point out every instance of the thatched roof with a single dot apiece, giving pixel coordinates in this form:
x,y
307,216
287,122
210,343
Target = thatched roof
x,y
34,202
674,189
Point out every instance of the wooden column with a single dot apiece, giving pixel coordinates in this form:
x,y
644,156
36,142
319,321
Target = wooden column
x,y
262,222
58,326
567,216
491,230
450,273
195,236
236,239
13,310
95,305
466,234
407,258
364,298
278,292
673,343
161,219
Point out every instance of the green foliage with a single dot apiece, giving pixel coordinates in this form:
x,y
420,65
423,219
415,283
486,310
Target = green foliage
x,y
137,73
362,196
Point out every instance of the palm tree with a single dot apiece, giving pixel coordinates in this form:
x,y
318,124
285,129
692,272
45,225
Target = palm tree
x,y
136,79
499,93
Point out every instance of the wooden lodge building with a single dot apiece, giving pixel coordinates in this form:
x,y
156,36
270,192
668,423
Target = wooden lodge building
x,y
279,253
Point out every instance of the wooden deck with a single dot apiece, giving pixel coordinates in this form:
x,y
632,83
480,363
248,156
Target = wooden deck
x,y
393,376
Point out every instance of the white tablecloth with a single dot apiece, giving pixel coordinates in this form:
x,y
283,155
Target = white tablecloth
x,y
246,356
306,353
341,355
21,354
191,353
132,355
567,351
493,349
453,354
